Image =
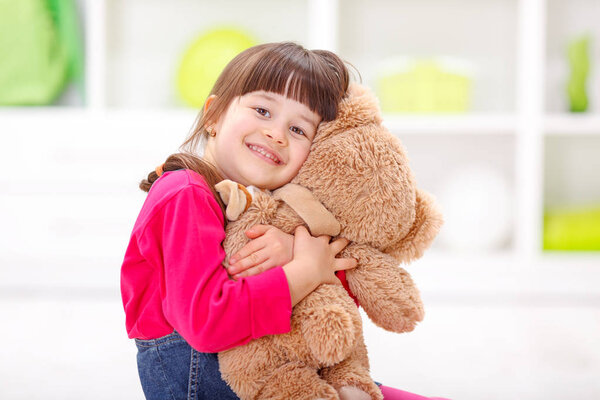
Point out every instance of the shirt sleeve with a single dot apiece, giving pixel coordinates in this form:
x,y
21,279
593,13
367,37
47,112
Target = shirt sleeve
x,y
212,312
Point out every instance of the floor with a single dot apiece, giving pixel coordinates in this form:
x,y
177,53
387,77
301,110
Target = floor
x,y
59,344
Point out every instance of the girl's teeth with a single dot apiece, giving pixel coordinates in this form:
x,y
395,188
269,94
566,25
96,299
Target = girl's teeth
x,y
264,153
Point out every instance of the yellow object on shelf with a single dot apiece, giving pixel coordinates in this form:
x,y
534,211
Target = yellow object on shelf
x,y
204,60
572,229
424,86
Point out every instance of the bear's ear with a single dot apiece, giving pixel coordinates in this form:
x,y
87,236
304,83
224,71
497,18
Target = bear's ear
x,y
427,223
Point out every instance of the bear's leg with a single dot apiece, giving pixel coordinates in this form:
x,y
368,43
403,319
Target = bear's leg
x,y
352,373
296,381
352,393
346,376
330,323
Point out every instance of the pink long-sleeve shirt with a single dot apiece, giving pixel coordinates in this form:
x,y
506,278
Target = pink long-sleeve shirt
x,y
172,276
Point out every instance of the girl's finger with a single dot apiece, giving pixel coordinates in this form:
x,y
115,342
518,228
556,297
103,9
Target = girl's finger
x,y
301,231
262,267
256,231
249,248
339,245
250,261
324,238
344,264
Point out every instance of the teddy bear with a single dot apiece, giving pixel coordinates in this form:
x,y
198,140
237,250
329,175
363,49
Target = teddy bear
x,y
356,183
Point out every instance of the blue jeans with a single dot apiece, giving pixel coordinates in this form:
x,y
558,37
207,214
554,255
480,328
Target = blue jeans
x,y
171,369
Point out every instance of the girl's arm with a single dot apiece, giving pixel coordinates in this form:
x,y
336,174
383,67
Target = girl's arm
x,y
182,242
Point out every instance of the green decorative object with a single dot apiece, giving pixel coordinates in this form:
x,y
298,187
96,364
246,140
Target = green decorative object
x,y
572,229
579,62
204,60
424,86
69,34
41,50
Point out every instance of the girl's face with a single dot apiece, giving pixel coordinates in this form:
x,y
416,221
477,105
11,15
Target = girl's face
x,y
262,139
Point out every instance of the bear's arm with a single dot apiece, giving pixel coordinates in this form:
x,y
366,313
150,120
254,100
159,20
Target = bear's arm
x,y
384,289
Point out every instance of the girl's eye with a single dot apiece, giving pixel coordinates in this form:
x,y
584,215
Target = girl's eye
x,y
297,130
262,112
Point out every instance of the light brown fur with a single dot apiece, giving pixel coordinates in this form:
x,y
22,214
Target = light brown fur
x,y
360,173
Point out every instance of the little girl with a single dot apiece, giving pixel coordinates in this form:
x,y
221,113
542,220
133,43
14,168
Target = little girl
x,y
181,304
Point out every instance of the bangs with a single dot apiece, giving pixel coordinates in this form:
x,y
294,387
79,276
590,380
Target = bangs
x,y
298,75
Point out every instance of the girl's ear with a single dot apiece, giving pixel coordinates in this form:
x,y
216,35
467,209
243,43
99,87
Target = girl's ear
x,y
208,101
209,125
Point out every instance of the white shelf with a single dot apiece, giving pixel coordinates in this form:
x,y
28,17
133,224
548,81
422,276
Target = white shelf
x,y
572,124
51,118
478,124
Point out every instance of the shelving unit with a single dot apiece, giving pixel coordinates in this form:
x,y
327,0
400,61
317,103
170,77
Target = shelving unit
x,y
132,119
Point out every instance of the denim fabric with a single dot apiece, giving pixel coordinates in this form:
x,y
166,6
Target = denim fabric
x,y
170,368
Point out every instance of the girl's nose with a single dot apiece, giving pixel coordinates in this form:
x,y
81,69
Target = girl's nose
x,y
276,135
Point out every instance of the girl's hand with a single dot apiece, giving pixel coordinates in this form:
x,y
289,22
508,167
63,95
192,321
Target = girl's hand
x,y
270,247
314,263
321,255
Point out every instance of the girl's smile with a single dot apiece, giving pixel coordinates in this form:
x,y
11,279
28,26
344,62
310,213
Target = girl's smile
x,y
265,154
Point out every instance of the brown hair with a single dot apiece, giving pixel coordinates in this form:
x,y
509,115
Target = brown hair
x,y
316,78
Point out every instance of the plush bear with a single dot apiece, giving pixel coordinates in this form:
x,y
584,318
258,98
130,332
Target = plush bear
x,y
356,183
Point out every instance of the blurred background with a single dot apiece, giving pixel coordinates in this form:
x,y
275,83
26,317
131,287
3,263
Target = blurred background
x,y
496,101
